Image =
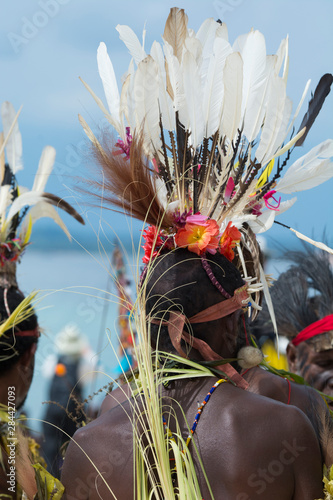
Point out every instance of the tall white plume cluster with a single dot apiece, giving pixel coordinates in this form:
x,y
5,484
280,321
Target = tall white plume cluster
x,y
230,103
19,206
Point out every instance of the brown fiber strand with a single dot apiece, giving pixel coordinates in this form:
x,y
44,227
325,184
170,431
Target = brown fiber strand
x,y
129,183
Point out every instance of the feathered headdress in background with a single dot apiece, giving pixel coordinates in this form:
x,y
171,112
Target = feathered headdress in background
x,y
206,130
303,300
20,207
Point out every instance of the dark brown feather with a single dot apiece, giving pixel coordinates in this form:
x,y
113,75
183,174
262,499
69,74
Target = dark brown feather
x,y
61,203
129,183
322,90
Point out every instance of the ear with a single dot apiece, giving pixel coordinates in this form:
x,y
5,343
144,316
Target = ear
x,y
292,356
28,356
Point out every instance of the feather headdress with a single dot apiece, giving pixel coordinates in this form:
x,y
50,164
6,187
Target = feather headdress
x,y
206,130
302,295
20,207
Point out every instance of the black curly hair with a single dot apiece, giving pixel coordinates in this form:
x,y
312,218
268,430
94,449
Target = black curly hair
x,y
301,296
178,281
12,347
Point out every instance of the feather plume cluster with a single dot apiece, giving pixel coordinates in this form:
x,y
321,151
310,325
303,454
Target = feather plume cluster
x,y
214,119
20,207
214,128
302,295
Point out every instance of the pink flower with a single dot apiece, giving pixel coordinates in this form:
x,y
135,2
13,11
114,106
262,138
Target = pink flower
x,y
199,235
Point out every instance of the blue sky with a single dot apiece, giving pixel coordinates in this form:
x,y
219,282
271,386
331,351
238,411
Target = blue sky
x,y
47,44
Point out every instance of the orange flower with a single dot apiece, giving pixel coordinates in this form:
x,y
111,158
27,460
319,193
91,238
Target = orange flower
x,y
198,237
228,241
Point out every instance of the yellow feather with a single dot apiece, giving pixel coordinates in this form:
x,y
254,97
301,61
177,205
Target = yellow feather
x,y
28,232
265,175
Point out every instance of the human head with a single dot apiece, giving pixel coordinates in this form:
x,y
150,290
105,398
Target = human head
x,y
302,296
17,352
178,281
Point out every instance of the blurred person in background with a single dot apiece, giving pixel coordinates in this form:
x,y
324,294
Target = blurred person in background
x,y
303,305
63,413
19,330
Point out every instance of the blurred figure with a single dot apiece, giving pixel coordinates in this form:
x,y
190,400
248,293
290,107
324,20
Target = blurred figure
x,y
126,334
19,329
63,413
303,305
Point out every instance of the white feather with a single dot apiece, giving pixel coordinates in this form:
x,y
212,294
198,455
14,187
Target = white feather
x,y
273,120
257,104
193,97
13,135
268,300
165,102
206,35
285,205
108,77
26,199
282,56
317,244
263,222
5,200
253,53
146,93
176,81
44,168
100,104
299,106
127,102
127,35
287,146
233,84
310,170
194,47
214,86
43,209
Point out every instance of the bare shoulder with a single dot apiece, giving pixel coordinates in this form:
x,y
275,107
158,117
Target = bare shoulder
x,y
97,453
114,398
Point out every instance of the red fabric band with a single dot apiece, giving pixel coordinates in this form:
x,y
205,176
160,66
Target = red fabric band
x,y
28,333
321,326
177,320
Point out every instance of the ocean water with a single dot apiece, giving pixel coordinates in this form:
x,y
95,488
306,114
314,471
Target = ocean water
x,y
76,288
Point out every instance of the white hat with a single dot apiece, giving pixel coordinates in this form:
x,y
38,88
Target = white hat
x,y
70,341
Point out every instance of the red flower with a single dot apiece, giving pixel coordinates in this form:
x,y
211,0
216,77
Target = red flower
x,y
198,236
153,243
228,241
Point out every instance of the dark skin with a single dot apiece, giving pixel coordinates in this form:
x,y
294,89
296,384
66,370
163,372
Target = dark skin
x,y
303,397
288,468
18,378
315,367
257,435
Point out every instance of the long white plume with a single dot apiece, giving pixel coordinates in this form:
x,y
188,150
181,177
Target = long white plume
x,y
13,135
310,170
45,166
